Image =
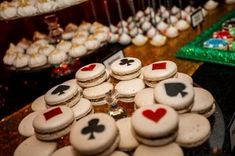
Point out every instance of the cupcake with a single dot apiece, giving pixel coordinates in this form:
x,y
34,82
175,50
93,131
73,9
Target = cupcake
x,y
24,43
26,9
9,58
37,60
57,57
64,46
139,40
77,51
46,49
46,5
79,40
7,10
21,60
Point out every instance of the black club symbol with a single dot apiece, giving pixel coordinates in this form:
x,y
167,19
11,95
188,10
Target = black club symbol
x,y
126,61
93,127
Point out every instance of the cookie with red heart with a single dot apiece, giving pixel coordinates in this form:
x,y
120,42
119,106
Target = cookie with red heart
x,y
161,122
91,75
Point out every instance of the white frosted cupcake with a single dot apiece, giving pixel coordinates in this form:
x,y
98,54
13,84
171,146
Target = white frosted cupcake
x,y
151,32
24,43
46,5
172,32
9,58
77,51
101,36
7,10
33,49
158,40
210,5
69,31
84,26
182,25
139,40
124,39
37,60
79,40
162,26
57,57
46,49
26,10
64,46
92,44
21,60
15,49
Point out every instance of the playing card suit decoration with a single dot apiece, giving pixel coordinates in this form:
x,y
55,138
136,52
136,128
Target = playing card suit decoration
x,y
126,62
158,66
173,89
154,115
52,113
60,89
89,67
93,127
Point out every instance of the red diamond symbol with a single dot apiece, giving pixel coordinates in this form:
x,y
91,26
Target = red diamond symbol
x,y
157,66
52,113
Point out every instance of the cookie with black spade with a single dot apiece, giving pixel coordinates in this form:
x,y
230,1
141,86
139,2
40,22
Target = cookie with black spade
x,y
126,68
95,134
63,94
175,93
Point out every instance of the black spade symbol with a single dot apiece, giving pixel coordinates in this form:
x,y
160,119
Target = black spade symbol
x,y
126,61
173,89
93,127
60,89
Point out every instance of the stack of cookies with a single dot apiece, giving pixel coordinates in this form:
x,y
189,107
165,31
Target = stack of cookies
x,y
160,125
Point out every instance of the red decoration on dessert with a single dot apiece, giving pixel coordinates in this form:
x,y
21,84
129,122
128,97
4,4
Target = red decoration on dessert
x,y
157,66
222,34
154,116
88,68
52,113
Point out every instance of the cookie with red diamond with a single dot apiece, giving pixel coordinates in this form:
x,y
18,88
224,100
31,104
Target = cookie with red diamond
x,y
176,93
126,68
158,71
91,75
161,122
53,123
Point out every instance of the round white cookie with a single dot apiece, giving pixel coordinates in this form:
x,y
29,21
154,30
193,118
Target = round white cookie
x,y
126,68
127,139
91,75
67,150
204,102
25,127
175,93
185,77
161,122
97,93
171,149
82,108
194,130
53,123
119,153
39,104
33,147
63,94
158,71
98,134
144,97
129,88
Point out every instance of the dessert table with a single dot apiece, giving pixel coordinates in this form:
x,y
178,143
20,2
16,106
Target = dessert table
x,y
218,79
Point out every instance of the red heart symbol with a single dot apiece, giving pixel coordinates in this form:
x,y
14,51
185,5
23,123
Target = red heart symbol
x,y
155,116
88,68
